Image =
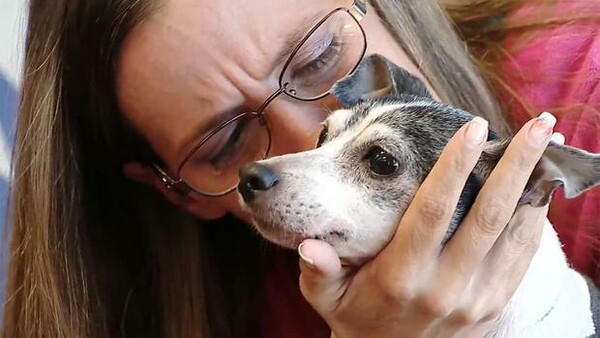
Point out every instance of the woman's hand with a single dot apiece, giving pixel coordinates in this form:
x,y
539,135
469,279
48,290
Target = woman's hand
x,y
416,287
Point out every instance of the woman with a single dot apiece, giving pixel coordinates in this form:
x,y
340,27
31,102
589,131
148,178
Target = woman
x,y
117,96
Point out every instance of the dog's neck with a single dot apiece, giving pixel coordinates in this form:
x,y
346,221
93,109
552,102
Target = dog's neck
x,y
549,300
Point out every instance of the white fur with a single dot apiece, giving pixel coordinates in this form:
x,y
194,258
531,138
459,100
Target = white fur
x,y
552,300
347,205
339,117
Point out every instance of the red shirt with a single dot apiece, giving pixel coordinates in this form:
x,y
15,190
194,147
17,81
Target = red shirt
x,y
557,70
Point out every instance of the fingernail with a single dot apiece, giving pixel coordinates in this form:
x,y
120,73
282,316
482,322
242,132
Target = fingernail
x,y
477,131
303,257
541,130
558,138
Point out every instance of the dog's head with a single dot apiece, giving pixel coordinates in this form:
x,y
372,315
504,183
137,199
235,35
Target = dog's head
x,y
371,157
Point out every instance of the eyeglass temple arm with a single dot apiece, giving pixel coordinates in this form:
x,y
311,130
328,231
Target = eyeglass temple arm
x,y
359,9
179,186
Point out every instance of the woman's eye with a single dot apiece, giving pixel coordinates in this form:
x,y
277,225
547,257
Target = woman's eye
x,y
229,147
381,162
322,62
322,136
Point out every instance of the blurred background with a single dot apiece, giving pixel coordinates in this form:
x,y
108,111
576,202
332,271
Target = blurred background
x,y
13,22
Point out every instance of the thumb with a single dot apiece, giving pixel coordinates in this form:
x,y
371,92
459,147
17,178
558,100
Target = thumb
x,y
322,279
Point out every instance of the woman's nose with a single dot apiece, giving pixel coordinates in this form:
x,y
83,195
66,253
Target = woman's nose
x,y
295,126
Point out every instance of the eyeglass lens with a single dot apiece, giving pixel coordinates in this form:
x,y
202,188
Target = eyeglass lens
x,y
329,53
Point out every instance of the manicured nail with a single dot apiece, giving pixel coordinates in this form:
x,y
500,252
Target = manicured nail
x,y
558,138
541,130
303,257
477,131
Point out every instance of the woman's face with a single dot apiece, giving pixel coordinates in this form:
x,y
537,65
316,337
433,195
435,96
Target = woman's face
x,y
195,62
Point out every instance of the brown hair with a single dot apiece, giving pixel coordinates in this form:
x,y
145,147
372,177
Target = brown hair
x,y
483,26
85,262
96,255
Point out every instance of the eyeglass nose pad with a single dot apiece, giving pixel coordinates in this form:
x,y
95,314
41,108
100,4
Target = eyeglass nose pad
x,y
255,177
288,90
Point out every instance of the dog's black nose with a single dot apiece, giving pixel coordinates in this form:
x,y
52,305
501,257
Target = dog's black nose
x,y
253,177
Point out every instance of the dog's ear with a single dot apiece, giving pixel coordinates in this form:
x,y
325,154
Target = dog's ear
x,y
377,77
574,169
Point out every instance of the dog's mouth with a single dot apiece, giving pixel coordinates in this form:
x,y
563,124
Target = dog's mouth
x,y
337,235
287,220
290,235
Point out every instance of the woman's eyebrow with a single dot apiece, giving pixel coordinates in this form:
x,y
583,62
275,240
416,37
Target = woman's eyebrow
x,y
202,128
292,40
295,37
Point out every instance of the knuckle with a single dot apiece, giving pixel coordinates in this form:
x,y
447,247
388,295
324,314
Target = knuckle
x,y
492,309
529,249
467,316
492,315
396,290
491,218
479,312
521,238
525,237
433,209
438,305
522,159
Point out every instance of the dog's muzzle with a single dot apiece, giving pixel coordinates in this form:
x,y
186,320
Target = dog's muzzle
x,y
255,177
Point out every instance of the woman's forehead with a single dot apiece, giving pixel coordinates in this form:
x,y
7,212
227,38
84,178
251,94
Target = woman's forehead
x,y
194,59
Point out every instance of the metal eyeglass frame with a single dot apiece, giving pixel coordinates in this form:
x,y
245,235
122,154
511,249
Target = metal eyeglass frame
x,y
357,11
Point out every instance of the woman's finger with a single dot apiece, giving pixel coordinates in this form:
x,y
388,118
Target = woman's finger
x,y
501,271
511,255
496,202
321,275
426,220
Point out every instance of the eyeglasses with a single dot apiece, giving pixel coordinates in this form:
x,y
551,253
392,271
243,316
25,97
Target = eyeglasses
x,y
329,51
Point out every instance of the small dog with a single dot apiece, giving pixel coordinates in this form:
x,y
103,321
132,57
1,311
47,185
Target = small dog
x,y
352,190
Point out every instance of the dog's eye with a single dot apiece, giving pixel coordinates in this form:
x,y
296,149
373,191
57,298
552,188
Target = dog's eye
x,y
322,136
381,162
